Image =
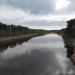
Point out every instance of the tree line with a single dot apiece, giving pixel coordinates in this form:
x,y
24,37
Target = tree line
x,y
12,30
15,30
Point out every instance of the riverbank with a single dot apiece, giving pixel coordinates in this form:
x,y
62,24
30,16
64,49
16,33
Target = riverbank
x,y
14,33
9,40
68,35
69,42
70,45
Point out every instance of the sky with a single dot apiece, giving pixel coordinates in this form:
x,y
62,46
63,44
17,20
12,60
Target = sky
x,y
24,12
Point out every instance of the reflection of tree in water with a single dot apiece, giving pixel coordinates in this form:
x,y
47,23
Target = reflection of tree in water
x,y
70,45
19,42
12,45
69,39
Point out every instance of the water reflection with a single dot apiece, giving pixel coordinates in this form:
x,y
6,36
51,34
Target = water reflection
x,y
14,44
70,45
44,55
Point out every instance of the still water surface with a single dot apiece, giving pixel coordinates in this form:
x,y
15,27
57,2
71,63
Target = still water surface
x,y
43,55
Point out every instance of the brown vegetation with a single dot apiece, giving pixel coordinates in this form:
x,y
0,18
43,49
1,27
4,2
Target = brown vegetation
x,y
69,39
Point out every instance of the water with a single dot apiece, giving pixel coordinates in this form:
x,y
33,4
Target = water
x,y
43,55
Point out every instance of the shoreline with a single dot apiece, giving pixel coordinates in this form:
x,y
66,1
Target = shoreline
x,y
69,42
12,39
9,40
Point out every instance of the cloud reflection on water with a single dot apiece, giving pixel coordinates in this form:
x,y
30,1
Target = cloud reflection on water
x,y
44,55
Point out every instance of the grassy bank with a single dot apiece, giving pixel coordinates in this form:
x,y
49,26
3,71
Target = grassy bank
x,y
70,45
13,33
9,40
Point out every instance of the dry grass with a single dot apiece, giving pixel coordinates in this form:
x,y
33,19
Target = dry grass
x,y
6,40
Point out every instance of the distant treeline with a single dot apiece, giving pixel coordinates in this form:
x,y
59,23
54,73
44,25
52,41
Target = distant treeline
x,y
12,30
15,30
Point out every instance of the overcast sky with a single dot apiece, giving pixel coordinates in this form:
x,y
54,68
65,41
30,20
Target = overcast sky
x,y
33,11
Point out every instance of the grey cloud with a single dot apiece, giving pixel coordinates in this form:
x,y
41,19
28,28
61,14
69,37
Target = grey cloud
x,y
72,5
34,6
44,23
